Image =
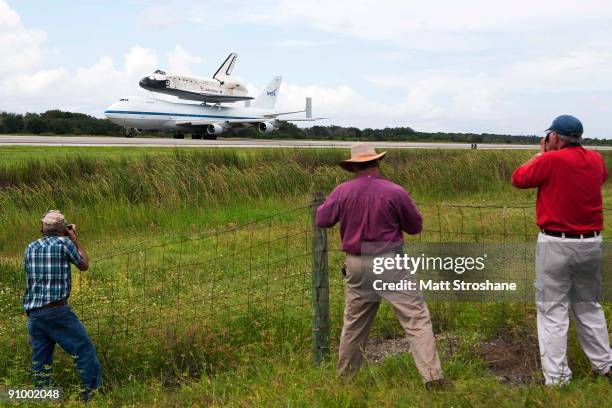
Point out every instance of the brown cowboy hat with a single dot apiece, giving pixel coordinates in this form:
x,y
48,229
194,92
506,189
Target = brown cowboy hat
x,y
361,153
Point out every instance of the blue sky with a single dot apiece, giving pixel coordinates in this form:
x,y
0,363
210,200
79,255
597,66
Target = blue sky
x,y
470,66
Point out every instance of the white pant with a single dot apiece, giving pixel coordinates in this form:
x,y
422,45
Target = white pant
x,y
562,266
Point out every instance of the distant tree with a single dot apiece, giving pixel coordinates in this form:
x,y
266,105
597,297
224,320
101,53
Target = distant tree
x,y
12,123
34,123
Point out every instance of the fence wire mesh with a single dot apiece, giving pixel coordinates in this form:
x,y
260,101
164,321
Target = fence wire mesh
x,y
210,302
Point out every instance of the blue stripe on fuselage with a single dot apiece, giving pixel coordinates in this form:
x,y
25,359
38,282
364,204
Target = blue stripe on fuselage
x,y
194,115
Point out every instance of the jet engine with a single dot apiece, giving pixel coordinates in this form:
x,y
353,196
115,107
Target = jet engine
x,y
214,129
266,127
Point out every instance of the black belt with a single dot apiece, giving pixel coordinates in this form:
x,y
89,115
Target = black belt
x,y
558,234
49,305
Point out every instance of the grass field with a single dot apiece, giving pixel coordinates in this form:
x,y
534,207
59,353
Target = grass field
x,y
191,303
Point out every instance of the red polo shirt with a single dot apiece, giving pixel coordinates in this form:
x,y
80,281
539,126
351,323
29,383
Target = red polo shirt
x,y
569,184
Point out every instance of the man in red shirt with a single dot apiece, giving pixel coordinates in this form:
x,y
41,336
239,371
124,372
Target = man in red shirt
x,y
569,213
373,214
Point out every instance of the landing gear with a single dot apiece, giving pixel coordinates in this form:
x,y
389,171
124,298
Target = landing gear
x,y
203,135
179,136
130,132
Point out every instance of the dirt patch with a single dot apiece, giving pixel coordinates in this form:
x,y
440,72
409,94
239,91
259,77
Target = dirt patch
x,y
379,348
514,361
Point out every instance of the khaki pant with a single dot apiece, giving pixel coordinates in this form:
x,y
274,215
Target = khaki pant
x,y
360,311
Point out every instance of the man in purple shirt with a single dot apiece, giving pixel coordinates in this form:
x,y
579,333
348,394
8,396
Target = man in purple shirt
x,y
373,213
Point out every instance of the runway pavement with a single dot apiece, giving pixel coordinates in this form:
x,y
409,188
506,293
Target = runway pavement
x,y
33,140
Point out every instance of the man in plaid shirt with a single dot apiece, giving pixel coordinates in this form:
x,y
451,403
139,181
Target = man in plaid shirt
x,y
50,318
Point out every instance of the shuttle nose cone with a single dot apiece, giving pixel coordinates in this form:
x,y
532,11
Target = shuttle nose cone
x,y
145,82
150,83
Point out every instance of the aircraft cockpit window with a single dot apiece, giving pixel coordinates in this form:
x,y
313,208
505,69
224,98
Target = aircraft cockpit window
x,y
159,71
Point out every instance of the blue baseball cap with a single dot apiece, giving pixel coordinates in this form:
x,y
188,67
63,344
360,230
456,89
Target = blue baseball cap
x,y
567,125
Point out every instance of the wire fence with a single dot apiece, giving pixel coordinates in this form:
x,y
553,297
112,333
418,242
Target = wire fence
x,y
211,302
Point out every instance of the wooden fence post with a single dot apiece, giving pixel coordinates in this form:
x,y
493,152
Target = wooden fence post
x,y
320,287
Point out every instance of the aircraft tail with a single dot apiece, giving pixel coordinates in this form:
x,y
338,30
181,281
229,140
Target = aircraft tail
x,y
225,70
267,97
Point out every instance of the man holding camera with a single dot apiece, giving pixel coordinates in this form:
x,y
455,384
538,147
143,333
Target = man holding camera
x,y
50,318
373,214
569,251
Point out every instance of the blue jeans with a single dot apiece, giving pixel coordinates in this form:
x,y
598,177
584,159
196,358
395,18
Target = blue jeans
x,y
60,325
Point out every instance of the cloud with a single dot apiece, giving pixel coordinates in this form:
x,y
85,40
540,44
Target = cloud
x,y
156,17
394,19
467,66
140,60
86,89
20,46
301,43
182,61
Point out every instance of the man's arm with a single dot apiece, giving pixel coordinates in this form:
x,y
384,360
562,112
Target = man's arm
x,y
532,173
411,220
328,213
78,254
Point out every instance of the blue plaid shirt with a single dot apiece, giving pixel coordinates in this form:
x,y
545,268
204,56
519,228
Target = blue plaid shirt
x,y
47,266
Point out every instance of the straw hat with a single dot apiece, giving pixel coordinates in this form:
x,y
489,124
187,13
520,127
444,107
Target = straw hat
x,y
361,153
54,218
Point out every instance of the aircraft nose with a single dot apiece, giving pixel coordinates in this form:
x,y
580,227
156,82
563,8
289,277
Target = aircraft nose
x,y
144,82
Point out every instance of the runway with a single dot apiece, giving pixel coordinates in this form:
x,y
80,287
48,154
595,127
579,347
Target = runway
x,y
107,141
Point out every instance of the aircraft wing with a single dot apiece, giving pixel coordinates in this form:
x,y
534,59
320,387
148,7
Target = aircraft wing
x,y
274,115
206,122
301,120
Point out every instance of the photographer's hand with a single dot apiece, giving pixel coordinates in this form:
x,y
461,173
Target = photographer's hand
x,y
73,237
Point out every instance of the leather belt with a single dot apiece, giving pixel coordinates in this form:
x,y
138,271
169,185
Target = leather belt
x,y
49,305
559,234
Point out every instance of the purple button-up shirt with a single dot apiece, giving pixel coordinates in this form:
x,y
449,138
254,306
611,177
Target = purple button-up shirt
x,y
370,209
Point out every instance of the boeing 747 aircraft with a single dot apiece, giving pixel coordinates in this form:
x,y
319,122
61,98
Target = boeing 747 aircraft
x,y
201,120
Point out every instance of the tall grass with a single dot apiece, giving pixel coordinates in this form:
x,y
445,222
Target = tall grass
x,y
157,314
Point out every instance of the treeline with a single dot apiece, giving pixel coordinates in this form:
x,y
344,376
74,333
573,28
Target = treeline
x,y
56,122
399,134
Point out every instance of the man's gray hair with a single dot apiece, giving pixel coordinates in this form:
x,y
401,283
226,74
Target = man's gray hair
x,y
53,230
573,139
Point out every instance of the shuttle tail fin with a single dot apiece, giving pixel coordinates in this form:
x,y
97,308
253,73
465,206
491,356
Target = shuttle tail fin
x,y
267,97
225,70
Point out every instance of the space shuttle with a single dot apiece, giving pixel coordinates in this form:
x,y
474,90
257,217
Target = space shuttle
x,y
221,88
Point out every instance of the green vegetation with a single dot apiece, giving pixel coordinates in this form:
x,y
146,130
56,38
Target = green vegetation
x,y
189,304
55,122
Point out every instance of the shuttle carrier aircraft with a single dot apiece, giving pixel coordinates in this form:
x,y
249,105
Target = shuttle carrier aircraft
x,y
203,121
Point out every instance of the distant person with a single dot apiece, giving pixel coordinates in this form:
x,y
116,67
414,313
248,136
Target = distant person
x,y
50,318
371,209
569,251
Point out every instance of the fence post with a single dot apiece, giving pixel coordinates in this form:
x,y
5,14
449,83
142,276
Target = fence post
x,y
320,287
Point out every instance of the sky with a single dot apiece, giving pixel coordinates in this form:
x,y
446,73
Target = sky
x,y
471,66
